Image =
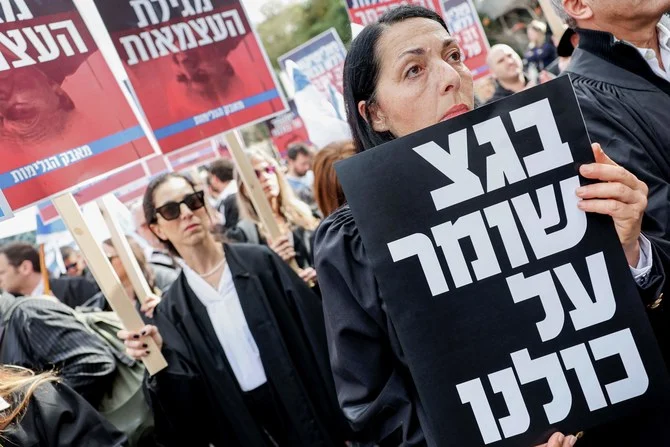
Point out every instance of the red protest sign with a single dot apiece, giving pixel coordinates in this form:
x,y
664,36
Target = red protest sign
x,y
197,67
463,22
131,180
286,129
194,156
54,132
365,12
135,190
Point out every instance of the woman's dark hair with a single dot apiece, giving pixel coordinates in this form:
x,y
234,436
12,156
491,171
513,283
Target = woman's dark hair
x,y
149,206
361,73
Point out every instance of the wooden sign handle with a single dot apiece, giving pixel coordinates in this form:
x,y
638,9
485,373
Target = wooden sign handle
x,y
104,274
126,255
254,190
555,23
44,270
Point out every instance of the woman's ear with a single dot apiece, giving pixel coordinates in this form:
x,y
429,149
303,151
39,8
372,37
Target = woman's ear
x,y
377,119
578,9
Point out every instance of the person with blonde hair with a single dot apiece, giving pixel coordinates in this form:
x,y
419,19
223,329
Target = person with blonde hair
x,y
38,410
294,217
328,191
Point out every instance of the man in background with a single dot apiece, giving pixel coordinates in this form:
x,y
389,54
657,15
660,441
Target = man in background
x,y
21,275
507,70
621,75
221,181
74,262
300,176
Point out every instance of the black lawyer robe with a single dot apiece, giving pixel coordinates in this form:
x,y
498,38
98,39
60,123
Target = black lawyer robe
x,y
197,400
58,417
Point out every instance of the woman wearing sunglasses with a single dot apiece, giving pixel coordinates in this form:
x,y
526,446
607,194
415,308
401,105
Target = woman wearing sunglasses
x,y
293,216
401,75
243,337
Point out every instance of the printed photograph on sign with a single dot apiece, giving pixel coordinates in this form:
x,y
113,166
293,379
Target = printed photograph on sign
x,y
365,12
54,133
463,22
196,66
321,59
517,312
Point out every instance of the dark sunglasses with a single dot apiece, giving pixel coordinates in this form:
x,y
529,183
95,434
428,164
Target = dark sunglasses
x,y
268,169
172,210
71,266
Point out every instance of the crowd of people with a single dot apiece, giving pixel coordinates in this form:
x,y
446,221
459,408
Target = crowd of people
x,y
287,342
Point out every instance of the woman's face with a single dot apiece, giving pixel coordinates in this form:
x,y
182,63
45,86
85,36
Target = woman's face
x,y
191,227
267,175
534,35
422,78
113,257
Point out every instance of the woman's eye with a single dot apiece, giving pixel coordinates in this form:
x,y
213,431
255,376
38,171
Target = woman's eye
x,y
413,71
455,56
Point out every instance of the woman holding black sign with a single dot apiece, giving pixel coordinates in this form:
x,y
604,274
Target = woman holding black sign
x,y
403,74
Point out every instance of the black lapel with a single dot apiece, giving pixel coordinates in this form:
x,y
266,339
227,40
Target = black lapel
x,y
274,354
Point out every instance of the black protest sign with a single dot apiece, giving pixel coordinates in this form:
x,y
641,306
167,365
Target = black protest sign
x,y
516,311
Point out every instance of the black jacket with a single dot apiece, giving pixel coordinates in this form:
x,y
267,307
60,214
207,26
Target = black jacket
x,y
501,93
43,335
626,107
59,417
229,209
197,400
73,291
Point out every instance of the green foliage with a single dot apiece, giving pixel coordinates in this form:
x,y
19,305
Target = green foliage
x,y
286,27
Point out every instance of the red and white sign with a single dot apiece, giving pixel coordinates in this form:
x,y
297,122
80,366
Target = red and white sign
x,y
65,119
365,12
193,157
124,182
198,68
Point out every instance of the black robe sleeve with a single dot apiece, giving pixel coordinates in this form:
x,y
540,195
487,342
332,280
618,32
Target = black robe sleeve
x,y
58,417
177,394
372,390
613,122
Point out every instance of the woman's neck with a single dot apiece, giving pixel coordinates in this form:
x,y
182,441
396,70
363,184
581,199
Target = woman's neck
x,y
203,257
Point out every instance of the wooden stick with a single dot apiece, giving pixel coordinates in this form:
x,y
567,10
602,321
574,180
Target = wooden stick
x,y
555,23
255,190
45,271
106,277
126,255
